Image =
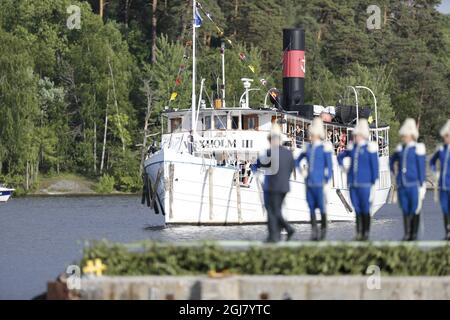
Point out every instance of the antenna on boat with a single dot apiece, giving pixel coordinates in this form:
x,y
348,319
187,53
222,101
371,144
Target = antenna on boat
x,y
247,84
222,52
194,66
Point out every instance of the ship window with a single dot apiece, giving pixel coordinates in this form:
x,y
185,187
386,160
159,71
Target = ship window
x,y
250,122
235,123
220,122
175,125
276,119
207,123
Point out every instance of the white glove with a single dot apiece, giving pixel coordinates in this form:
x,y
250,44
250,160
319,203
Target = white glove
x,y
372,193
345,167
423,191
437,175
327,191
304,168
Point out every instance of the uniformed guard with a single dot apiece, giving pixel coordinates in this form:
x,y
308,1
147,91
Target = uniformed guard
x,y
443,155
362,176
317,172
278,165
410,157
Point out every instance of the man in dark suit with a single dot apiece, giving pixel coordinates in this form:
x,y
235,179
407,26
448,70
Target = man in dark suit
x,y
277,164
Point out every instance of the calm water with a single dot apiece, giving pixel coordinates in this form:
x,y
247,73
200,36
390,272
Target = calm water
x,y
39,237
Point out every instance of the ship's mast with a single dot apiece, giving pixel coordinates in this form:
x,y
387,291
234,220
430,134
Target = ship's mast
x,y
222,51
194,66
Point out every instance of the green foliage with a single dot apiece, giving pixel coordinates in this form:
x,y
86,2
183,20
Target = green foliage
x,y
170,56
19,107
160,259
105,184
58,86
125,170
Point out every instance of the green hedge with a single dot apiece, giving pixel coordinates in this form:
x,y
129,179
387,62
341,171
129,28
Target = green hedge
x,y
157,259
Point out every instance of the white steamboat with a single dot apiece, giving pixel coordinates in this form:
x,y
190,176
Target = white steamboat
x,y
201,174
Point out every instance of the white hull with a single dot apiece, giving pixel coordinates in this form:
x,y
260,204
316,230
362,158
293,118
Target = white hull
x,y
5,194
189,193
4,198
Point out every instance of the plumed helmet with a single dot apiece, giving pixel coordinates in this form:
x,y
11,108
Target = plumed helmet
x,y
362,129
317,128
409,128
445,131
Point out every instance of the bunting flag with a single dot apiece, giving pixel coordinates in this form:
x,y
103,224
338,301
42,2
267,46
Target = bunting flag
x,y
220,33
198,22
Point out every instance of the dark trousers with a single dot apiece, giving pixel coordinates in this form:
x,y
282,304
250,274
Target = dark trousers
x,y
273,202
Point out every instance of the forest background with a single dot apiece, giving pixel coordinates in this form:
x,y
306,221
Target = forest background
x,y
75,100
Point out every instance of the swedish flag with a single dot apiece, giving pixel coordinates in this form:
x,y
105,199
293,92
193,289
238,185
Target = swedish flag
x,y
198,19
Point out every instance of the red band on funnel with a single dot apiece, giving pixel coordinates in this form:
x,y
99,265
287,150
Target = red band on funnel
x,y
294,64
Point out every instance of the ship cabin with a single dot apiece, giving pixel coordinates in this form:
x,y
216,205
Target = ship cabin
x,y
235,136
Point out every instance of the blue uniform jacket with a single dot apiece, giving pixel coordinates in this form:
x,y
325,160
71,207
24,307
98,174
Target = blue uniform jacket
x,y
363,171
320,165
411,164
443,155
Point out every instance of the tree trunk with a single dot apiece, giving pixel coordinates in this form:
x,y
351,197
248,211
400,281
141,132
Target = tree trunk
x,y
95,147
236,14
101,5
116,105
27,175
95,133
149,95
102,162
36,172
127,12
154,24
183,22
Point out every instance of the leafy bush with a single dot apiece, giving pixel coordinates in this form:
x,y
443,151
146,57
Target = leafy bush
x,y
157,259
125,170
17,182
129,184
105,184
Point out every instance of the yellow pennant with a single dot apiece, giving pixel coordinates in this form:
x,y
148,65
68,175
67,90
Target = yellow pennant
x,y
252,68
173,96
219,31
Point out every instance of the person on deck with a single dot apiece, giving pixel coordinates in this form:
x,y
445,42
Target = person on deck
x,y
443,155
362,176
277,164
299,136
410,158
318,172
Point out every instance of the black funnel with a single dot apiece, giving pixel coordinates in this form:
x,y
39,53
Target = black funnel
x,y
294,64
